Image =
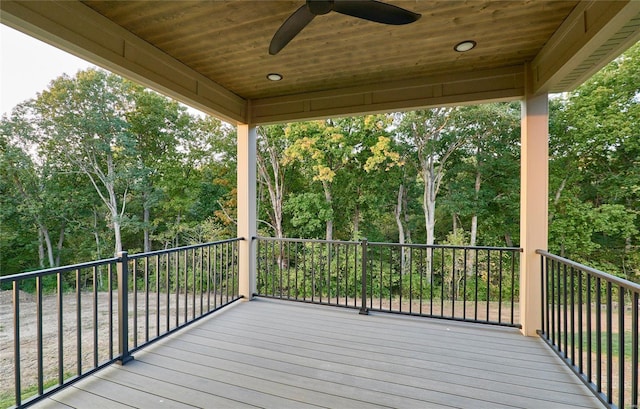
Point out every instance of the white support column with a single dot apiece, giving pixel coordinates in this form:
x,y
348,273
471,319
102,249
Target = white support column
x,y
247,219
534,199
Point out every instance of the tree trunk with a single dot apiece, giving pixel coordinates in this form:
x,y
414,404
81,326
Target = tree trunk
x,y
557,197
40,248
98,249
48,245
429,204
407,231
146,220
507,239
60,242
329,199
356,219
401,237
274,180
118,236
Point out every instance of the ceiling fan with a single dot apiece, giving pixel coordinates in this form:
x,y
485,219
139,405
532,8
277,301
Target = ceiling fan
x,y
371,10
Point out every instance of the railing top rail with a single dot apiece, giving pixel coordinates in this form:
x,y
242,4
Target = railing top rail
x,y
176,249
306,240
412,245
55,270
447,246
72,267
597,273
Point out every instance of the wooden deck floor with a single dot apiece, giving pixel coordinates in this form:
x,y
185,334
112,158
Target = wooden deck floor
x,y
272,354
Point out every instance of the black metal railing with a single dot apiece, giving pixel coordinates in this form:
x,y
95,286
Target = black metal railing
x,y
70,321
477,284
590,319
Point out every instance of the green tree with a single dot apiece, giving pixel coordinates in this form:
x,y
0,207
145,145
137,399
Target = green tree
x,y
434,142
594,165
85,119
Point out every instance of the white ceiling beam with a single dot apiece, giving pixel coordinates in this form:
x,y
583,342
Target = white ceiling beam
x,y
453,89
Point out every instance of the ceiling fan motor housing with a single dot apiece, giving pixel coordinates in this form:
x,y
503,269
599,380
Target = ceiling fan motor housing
x,y
320,7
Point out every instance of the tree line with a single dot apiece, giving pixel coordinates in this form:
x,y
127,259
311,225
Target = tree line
x,y
95,164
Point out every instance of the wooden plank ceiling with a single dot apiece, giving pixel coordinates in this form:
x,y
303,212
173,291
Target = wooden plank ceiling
x,y
341,58
228,41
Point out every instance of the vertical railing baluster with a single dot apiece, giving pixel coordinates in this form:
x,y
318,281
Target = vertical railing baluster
x,y
363,294
464,283
134,286
410,272
370,275
146,299
453,282
500,255
598,334
95,316
565,311
39,334
431,274
288,270
580,324
168,290
193,284
488,283
572,324
552,298
186,286
61,330
421,257
305,272
233,251
621,347
215,276
313,271
609,343
123,308
390,279
635,305
544,307
176,257
356,274
475,307
16,342
589,333
229,272
558,274
513,286
78,325
209,274
297,270
201,254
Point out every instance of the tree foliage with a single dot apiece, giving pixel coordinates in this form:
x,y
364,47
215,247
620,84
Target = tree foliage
x,y
96,163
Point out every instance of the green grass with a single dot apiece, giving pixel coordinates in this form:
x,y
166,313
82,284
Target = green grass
x,y
615,347
7,399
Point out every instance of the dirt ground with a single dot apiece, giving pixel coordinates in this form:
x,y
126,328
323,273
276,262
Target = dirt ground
x,y
106,346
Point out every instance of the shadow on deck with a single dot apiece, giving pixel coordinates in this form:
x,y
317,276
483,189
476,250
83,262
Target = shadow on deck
x,y
276,354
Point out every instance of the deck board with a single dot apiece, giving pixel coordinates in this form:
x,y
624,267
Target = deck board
x,y
273,354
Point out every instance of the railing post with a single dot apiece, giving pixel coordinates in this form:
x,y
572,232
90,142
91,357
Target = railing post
x,y
363,279
123,308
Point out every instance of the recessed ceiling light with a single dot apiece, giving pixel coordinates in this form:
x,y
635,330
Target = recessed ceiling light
x,y
464,46
274,76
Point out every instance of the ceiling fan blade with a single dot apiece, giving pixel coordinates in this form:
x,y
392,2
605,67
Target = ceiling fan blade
x,y
373,10
290,28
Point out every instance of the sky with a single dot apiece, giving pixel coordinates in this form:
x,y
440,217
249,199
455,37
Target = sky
x,y
27,66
